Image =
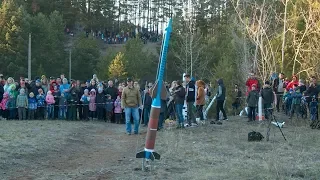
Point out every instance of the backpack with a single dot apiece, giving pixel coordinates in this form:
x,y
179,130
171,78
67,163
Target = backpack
x,y
255,136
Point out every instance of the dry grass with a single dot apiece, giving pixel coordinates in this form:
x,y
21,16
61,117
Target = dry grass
x,y
79,150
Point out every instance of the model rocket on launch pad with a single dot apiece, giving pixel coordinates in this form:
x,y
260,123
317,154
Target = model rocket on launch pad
x,y
158,93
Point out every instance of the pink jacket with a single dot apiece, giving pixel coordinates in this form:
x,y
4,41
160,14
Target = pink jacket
x,y
92,102
3,103
49,98
117,106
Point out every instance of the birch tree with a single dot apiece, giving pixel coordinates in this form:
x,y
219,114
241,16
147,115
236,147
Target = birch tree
x,y
259,27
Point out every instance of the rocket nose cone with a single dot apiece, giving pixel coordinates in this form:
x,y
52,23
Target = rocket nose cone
x,y
169,27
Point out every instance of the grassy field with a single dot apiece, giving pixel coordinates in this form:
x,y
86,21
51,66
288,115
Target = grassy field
x,y
99,150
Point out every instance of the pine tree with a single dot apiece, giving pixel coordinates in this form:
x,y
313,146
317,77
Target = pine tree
x,y
117,68
13,38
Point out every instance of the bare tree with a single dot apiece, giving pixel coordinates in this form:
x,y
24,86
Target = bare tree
x,y
258,27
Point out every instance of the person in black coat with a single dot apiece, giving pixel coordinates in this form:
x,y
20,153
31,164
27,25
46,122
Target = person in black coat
x,y
1,96
101,101
190,98
221,96
147,104
1,92
179,96
112,91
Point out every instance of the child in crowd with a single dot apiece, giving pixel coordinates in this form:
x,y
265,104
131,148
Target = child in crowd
x,y
117,110
109,108
32,106
100,101
287,99
313,109
72,102
41,104
12,103
296,101
50,105
85,99
56,95
62,106
22,104
252,101
4,106
92,104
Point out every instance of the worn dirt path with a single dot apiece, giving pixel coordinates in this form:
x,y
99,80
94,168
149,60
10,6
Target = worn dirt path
x,y
86,150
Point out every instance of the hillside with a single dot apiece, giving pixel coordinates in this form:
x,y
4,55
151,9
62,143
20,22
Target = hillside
x,y
105,48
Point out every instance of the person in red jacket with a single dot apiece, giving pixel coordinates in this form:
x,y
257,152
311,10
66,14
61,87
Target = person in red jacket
x,y
292,83
251,80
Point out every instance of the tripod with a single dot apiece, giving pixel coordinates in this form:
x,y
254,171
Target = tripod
x,y
272,117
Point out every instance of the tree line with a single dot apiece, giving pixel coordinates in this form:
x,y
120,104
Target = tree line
x,y
209,38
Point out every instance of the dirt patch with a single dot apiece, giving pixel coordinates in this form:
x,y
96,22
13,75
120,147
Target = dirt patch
x,y
99,150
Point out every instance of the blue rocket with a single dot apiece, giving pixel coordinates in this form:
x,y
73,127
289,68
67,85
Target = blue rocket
x,y
158,92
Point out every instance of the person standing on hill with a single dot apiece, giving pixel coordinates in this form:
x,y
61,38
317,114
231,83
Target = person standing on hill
x,y
190,98
267,97
130,102
252,103
221,96
178,95
278,88
200,101
112,90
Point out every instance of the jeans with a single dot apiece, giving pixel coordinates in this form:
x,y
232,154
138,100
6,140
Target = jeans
x,y
252,113
50,111
179,108
146,115
62,113
190,111
12,114
279,100
161,120
135,113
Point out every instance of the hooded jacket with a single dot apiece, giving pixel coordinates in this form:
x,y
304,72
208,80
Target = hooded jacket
x,y
290,85
267,95
179,95
92,103
200,93
49,98
253,98
191,92
117,106
41,100
4,101
101,99
22,100
221,93
32,103
249,84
